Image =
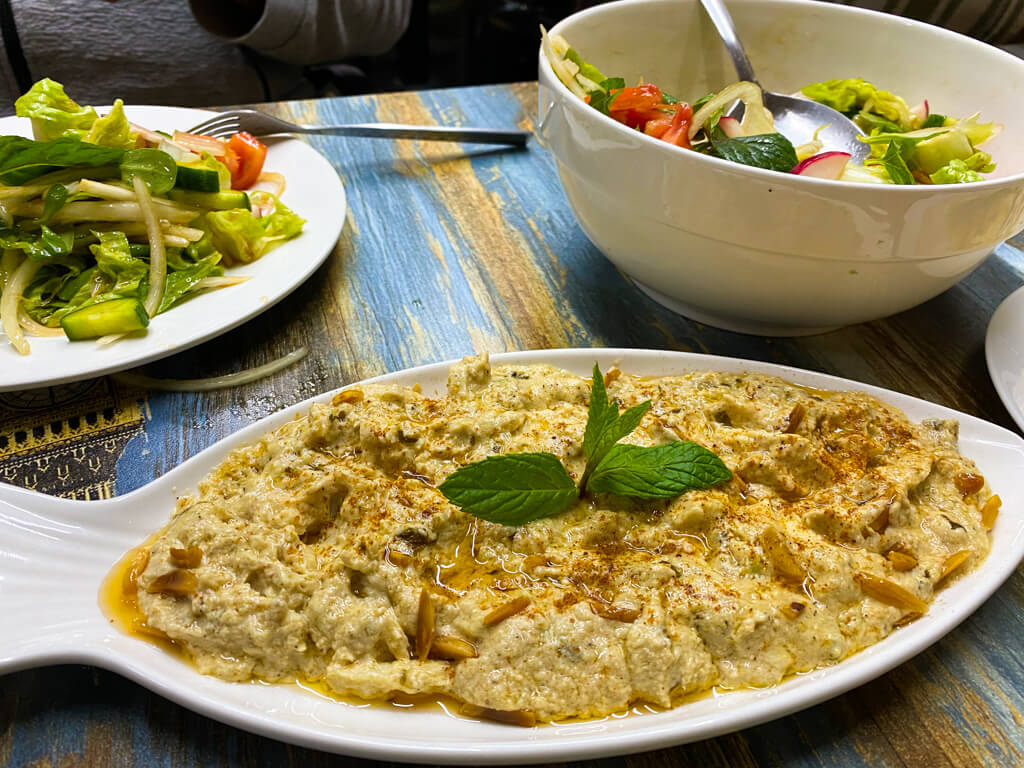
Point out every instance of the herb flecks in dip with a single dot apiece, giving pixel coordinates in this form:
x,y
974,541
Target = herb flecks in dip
x,y
325,551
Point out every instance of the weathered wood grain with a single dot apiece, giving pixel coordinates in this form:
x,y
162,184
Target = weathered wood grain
x,y
450,250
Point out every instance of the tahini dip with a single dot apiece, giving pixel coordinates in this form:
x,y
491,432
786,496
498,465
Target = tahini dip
x,y
324,552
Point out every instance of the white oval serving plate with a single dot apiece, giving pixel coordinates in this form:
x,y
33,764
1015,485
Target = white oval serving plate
x,y
54,553
1004,353
314,191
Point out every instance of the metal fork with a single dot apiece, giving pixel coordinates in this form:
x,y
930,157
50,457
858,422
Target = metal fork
x,y
261,124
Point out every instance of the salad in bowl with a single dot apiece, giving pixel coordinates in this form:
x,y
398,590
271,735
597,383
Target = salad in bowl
x,y
105,224
908,145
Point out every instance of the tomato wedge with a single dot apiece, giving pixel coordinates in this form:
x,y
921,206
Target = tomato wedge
x,y
636,106
251,152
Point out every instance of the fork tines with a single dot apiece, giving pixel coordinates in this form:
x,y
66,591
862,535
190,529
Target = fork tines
x,y
218,127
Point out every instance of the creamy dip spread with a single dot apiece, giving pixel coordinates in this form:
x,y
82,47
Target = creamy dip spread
x,y
325,551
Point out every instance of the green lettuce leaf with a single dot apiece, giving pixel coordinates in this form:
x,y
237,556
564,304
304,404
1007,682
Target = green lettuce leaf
x,y
44,245
588,71
242,237
112,130
181,281
964,171
114,260
53,112
861,100
22,160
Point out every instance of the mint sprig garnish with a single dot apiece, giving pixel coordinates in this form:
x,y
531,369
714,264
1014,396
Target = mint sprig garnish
x,y
512,489
518,488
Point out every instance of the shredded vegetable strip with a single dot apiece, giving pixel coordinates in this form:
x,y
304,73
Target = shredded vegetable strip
x,y
157,256
216,382
106,211
221,281
134,228
10,302
8,263
105,191
37,329
277,179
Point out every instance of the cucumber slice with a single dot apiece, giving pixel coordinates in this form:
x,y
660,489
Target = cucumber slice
x,y
211,201
114,316
198,179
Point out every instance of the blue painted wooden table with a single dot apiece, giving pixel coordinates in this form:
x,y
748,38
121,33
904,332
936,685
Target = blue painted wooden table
x,y
448,250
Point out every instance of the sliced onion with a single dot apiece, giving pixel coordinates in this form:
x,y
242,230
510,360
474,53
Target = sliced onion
x,y
105,191
215,382
98,210
10,302
748,93
157,256
221,281
196,143
151,137
277,179
37,329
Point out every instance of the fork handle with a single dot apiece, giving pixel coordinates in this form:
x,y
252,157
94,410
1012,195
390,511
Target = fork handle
x,y
422,132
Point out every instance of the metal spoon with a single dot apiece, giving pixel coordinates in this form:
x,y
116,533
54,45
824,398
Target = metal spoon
x,y
796,118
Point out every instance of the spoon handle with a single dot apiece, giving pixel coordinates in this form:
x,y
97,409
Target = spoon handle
x,y
727,31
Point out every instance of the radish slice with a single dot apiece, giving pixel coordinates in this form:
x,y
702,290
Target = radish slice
x,y
730,126
919,113
826,165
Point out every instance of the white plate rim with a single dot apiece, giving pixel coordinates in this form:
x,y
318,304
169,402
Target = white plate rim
x,y
48,364
1004,353
505,745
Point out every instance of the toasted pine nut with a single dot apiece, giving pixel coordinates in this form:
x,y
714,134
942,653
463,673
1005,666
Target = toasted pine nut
x,y
890,593
502,612
990,511
424,625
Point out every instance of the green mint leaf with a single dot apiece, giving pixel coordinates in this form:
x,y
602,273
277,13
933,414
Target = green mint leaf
x,y
602,99
662,472
934,120
772,151
53,201
894,163
703,100
605,427
601,416
22,160
512,489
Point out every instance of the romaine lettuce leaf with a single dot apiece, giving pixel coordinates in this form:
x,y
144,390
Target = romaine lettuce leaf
x,y
183,279
53,112
44,245
862,101
114,260
977,133
964,171
242,237
112,130
955,172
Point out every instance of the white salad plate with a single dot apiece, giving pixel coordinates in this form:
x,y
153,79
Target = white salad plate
x,y
1004,352
313,190
54,553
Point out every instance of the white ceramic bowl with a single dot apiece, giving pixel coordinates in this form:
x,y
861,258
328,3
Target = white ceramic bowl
x,y
771,253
